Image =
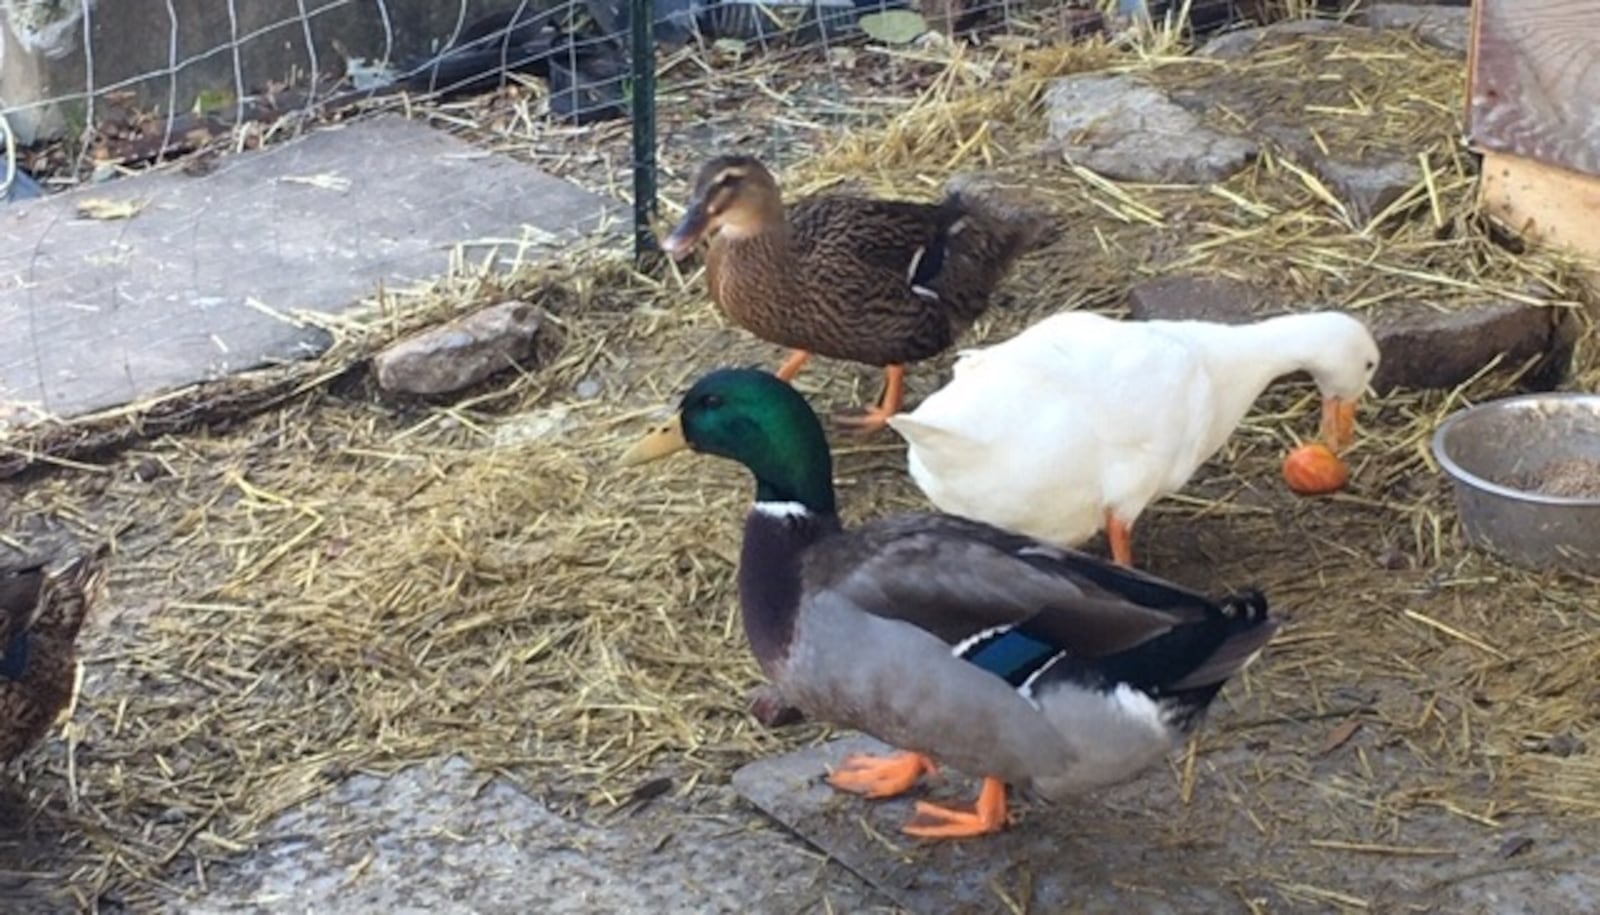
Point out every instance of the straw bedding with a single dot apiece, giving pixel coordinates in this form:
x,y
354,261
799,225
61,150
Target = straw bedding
x,y
343,584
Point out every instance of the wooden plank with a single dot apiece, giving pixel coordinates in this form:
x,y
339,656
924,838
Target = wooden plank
x,y
1546,203
1474,36
1535,81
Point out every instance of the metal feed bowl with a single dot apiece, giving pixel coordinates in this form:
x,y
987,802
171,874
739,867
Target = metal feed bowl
x,y
1487,448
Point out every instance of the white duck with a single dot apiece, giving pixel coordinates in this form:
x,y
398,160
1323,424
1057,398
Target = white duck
x,y
1081,421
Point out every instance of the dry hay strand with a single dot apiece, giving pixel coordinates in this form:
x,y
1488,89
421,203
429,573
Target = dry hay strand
x,y
341,585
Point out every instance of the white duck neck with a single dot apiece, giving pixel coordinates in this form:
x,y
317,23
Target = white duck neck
x,y
1245,358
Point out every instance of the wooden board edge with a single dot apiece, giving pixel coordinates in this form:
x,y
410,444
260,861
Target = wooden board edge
x,y
1474,35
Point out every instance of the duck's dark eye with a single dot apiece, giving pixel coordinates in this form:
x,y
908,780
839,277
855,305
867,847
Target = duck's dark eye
x,y
1369,365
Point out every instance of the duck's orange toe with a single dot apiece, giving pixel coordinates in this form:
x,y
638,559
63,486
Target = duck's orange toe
x,y
880,776
931,821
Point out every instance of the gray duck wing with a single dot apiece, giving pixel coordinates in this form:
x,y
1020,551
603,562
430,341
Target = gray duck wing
x,y
1021,609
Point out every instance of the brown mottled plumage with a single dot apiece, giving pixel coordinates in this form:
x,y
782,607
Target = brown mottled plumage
x,y
42,608
880,282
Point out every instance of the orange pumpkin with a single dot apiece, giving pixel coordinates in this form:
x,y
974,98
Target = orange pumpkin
x,y
1313,470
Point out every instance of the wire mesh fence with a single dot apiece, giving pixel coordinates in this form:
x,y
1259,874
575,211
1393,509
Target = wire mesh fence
x,y
145,80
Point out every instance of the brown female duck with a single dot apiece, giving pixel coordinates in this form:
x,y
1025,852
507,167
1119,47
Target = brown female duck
x,y
881,282
42,608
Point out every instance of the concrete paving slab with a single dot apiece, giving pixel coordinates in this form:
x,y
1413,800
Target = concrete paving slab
x,y
95,313
441,837
1137,848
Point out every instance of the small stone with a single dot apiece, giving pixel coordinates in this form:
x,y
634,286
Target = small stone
x,y
588,389
1562,745
1393,559
462,352
1448,28
149,469
1513,846
1129,130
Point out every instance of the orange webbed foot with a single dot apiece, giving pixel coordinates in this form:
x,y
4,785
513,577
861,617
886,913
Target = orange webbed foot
x,y
931,821
870,421
880,776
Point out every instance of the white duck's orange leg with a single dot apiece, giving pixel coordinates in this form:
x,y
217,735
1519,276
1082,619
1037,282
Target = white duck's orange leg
x,y
791,366
1121,537
894,392
880,776
989,815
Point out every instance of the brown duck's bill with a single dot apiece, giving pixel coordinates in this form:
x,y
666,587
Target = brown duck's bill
x,y
688,231
659,442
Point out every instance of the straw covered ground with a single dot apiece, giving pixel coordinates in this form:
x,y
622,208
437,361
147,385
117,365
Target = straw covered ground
x,y
344,584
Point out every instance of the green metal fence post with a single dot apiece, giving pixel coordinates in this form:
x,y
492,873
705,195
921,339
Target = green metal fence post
x,y
642,19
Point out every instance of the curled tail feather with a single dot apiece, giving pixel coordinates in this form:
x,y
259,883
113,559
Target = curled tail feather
x,y
1250,626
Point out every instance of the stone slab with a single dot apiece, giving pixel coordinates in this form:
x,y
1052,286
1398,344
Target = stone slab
x,y
1423,347
1045,864
1124,128
441,837
1138,848
1242,42
201,282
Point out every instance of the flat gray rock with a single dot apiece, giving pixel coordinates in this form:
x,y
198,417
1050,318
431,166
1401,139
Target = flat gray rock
x,y
1448,28
205,278
1129,130
1441,349
460,353
1366,181
1240,42
1368,188
1051,862
442,837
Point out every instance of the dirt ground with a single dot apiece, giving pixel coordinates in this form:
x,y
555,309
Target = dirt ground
x,y
1309,804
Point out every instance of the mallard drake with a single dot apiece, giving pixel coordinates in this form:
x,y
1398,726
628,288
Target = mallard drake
x,y
1117,414
880,282
1043,669
42,608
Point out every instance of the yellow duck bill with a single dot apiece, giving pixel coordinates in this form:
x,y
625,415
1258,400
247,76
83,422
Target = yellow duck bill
x,y
659,442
